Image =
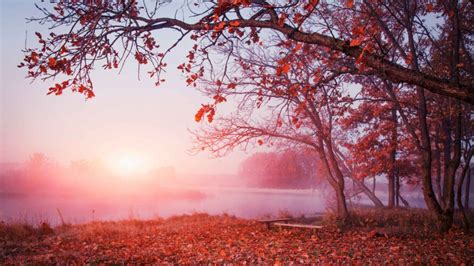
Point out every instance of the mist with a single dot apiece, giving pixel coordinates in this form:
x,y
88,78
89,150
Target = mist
x,y
41,189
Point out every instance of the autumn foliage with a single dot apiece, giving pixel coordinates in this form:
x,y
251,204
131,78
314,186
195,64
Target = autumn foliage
x,y
200,238
375,89
290,169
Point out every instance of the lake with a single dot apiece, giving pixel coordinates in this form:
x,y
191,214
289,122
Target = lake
x,y
241,202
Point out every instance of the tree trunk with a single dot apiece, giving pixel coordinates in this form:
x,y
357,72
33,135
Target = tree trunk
x,y
343,214
341,199
437,158
428,193
425,139
454,161
369,194
335,179
405,202
464,172
360,184
460,206
326,152
447,158
397,190
453,166
393,158
374,185
398,195
391,191
467,188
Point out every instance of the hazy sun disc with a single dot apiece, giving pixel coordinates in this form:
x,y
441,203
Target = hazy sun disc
x,y
128,164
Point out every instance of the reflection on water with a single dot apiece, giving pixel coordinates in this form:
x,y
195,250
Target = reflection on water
x,y
246,203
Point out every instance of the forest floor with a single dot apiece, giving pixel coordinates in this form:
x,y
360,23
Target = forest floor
x,y
202,238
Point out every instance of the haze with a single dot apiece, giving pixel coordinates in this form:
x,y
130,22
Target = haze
x,y
121,140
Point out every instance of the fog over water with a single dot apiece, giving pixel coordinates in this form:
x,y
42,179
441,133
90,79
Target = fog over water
x,y
246,203
39,191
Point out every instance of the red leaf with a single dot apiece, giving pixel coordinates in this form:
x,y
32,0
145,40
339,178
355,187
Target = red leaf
x,y
429,7
234,23
283,68
51,62
219,99
350,3
199,114
355,42
282,18
205,109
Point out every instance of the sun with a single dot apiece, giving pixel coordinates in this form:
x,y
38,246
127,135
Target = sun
x,y
128,164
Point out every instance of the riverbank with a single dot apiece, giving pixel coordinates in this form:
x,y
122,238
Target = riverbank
x,y
201,238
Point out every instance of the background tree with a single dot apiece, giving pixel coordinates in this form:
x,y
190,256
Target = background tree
x,y
375,145
295,169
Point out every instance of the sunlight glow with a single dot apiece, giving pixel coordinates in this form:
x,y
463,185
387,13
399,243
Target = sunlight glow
x,y
128,164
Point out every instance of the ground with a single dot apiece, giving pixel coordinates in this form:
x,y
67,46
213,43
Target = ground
x,y
201,238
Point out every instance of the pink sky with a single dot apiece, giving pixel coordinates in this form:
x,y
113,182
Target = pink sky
x,y
127,116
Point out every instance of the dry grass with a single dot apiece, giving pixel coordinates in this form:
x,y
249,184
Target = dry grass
x,y
20,231
400,219
202,238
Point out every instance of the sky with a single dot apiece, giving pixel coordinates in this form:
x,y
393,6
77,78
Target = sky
x,y
128,117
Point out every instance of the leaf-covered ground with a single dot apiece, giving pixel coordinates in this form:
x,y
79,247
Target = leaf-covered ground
x,y
201,238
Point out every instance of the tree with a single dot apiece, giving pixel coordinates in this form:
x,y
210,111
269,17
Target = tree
x,y
38,161
284,105
96,29
395,42
286,169
448,53
376,145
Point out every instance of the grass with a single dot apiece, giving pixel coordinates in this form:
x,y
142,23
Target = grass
x,y
401,220
22,231
202,238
